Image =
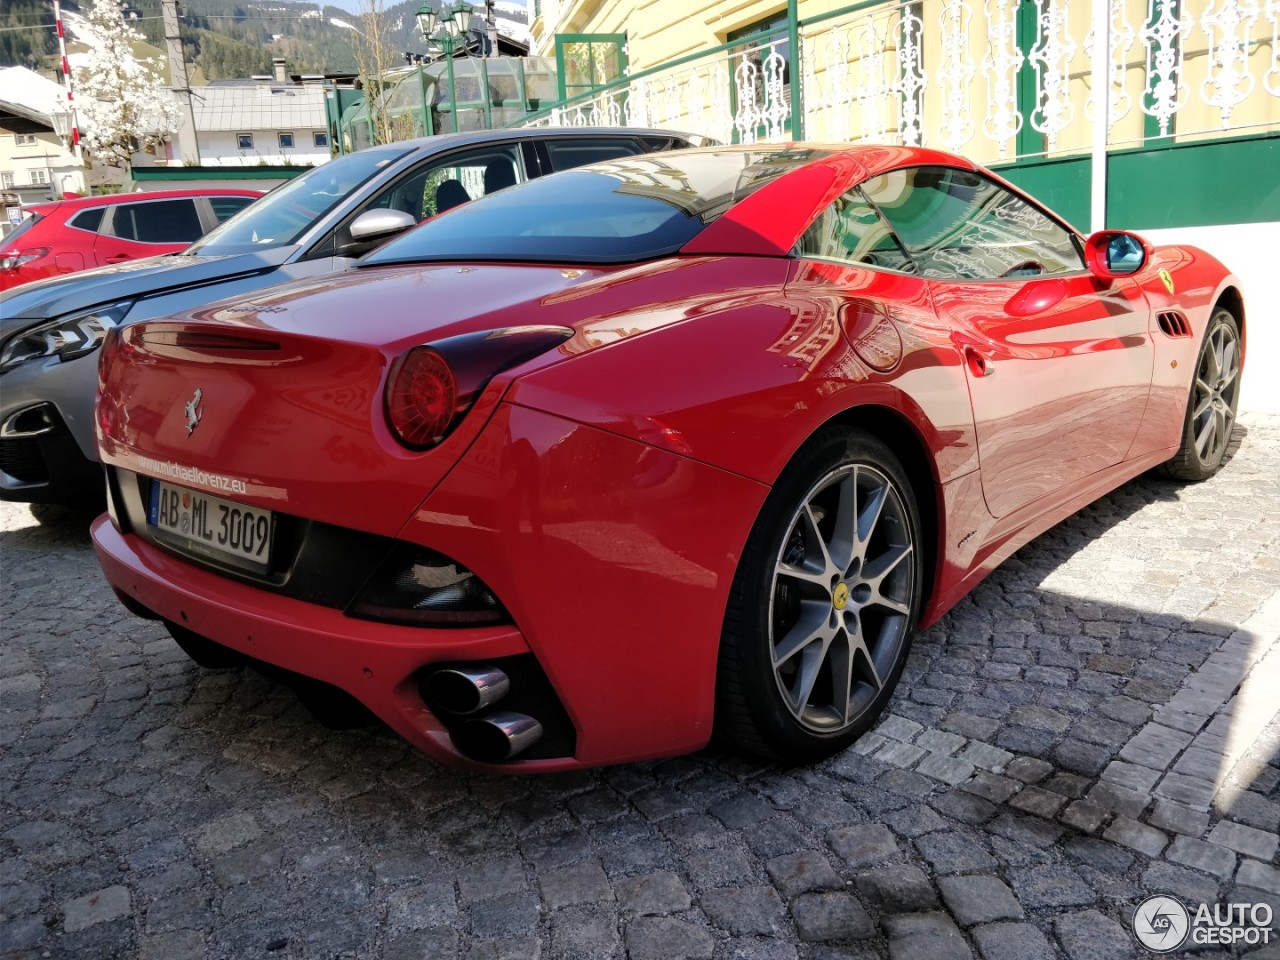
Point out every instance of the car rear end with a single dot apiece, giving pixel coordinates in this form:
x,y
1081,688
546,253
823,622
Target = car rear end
x,y
27,253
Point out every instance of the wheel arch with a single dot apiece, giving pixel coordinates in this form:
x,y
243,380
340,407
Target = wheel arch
x,y
899,434
1232,300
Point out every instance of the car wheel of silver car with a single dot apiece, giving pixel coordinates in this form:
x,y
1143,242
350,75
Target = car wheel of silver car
x,y
824,602
1211,406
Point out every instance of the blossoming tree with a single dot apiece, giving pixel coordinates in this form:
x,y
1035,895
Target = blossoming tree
x,y
122,99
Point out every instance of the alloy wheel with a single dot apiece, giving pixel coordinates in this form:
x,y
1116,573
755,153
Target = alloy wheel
x,y
1217,383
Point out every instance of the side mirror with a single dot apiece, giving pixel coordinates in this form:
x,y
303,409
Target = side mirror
x,y
371,228
1110,254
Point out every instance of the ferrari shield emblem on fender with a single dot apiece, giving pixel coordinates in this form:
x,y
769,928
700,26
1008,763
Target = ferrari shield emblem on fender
x,y
1166,279
194,411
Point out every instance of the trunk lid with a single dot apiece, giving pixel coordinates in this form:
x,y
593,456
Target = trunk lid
x,y
289,410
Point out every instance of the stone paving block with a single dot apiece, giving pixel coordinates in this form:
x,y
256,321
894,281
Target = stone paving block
x,y
954,852
1090,935
1252,809
802,872
1028,769
898,728
177,945
1168,815
991,786
932,935
1188,791
1136,836
1199,763
898,889
1155,746
101,906
1260,875
947,769
970,725
1012,941
986,756
1084,816
863,846
899,754
1039,802
1200,855
1131,775
939,741
822,917
869,743
1118,799
1078,757
744,910
1189,886
1050,885
651,894
1249,841
978,899
668,938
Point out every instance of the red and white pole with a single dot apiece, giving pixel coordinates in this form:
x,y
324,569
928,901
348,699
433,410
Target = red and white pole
x,y
66,78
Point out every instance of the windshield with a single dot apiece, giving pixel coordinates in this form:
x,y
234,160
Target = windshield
x,y
617,212
284,214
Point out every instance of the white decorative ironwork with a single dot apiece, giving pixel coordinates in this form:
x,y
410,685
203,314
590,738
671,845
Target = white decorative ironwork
x,y
1121,37
827,91
873,86
955,74
1000,65
1051,57
1271,80
1164,36
1229,82
911,76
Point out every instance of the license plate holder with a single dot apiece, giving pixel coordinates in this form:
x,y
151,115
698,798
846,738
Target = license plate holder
x,y
197,523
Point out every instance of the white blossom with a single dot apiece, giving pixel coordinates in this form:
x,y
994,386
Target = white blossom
x,y
122,99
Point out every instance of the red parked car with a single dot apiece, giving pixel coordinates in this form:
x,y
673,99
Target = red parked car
x,y
64,236
587,468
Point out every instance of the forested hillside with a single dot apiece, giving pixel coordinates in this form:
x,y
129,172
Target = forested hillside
x,y
224,38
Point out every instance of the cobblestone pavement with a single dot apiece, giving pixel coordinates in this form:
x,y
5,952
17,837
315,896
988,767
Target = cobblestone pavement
x,y
1072,738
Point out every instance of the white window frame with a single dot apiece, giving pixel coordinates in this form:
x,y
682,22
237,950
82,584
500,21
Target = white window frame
x,y
280,139
240,141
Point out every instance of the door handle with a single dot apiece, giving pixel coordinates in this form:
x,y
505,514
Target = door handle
x,y
979,365
117,258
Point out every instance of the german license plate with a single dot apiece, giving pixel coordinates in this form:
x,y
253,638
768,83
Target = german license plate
x,y
211,525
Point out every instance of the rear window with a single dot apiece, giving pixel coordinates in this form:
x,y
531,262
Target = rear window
x,y
633,209
24,227
578,152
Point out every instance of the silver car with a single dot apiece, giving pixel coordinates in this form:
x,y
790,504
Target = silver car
x,y
317,223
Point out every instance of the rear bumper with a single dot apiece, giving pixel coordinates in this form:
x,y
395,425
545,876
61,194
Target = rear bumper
x,y
378,664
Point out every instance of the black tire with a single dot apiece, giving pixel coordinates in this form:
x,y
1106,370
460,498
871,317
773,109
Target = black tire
x,y
778,593
204,651
1211,403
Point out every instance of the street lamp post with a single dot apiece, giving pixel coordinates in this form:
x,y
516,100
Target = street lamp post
x,y
448,31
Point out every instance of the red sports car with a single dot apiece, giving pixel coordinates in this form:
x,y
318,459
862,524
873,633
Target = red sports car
x,y
593,467
64,236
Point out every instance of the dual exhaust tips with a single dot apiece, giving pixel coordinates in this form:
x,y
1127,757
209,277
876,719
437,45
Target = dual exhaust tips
x,y
495,736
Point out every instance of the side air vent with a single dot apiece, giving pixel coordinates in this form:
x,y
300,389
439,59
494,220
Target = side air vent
x,y
1173,324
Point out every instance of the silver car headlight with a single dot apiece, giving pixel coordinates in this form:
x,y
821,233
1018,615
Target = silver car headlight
x,y
65,338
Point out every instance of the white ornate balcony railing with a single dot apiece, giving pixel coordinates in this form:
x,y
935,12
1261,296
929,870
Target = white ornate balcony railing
x,y
994,79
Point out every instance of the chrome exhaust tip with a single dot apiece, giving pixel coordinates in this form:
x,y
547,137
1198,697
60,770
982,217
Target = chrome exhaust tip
x,y
497,737
464,690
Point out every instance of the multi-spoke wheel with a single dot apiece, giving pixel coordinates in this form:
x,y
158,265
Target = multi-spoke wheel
x,y
822,608
1211,408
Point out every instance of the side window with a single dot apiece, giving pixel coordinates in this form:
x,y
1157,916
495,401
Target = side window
x,y
89,220
567,154
451,181
851,231
224,207
158,221
959,225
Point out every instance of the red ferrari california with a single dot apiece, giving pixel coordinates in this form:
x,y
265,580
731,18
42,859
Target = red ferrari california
x,y
589,469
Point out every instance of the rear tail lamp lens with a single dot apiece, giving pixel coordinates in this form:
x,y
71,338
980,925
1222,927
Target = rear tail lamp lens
x,y
423,588
422,398
432,385
13,259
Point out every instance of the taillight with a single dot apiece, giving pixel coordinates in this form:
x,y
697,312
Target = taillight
x,y
422,398
12,259
431,386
